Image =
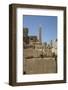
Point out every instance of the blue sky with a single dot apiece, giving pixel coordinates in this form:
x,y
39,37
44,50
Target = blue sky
x,y
48,24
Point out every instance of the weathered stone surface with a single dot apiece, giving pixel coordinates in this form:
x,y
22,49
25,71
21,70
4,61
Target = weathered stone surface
x,y
39,65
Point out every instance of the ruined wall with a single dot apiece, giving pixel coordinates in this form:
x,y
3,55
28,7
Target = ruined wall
x,y
39,65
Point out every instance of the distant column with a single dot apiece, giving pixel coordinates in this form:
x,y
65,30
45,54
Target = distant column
x,y
40,34
51,44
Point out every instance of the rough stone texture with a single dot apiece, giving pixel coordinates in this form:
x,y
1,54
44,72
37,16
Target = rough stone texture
x,y
30,52
39,65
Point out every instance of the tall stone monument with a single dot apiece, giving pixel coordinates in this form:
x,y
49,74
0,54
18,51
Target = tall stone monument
x,y
40,33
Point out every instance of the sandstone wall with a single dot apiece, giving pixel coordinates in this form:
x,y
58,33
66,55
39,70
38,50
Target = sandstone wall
x,y
39,65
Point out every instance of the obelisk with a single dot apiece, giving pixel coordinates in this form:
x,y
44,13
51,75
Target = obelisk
x,y
40,34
